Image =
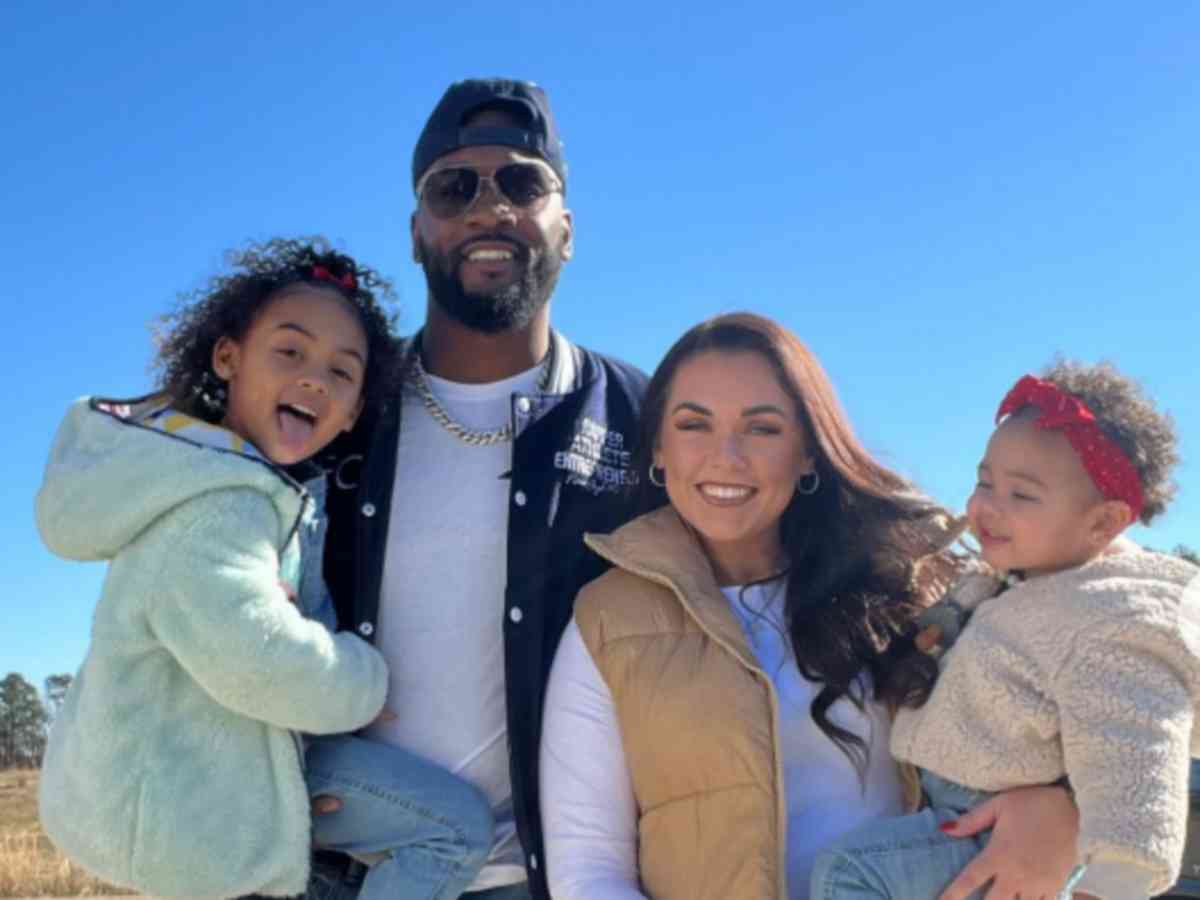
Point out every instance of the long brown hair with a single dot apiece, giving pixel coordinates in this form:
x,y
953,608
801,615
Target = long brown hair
x,y
866,551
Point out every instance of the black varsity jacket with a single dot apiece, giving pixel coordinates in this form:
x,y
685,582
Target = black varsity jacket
x,y
571,473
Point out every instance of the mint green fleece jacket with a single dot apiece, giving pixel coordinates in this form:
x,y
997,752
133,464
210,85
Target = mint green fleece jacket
x,y
174,767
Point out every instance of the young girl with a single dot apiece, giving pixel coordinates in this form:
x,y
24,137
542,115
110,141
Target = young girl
x,y
175,766
1079,660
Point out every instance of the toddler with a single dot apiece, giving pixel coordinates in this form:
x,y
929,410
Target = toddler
x,y
1078,662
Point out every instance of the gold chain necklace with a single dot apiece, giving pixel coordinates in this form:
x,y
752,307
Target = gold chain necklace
x,y
437,412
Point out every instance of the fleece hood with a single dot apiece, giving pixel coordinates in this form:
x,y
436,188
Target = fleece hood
x,y
110,475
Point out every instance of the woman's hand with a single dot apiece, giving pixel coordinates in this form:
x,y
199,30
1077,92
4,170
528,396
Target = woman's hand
x,y
1032,848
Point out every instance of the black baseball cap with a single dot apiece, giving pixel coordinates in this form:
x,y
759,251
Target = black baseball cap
x,y
444,132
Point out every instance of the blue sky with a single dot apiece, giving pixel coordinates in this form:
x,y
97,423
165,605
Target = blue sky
x,y
937,197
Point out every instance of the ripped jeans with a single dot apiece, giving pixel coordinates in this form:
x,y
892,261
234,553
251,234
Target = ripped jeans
x,y
425,831
906,857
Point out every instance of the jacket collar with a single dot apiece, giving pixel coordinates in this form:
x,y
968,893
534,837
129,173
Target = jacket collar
x,y
565,367
661,548
205,434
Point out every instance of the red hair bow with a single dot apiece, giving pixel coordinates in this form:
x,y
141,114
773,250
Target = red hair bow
x,y
323,274
1103,459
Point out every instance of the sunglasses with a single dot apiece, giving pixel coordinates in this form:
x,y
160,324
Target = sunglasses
x,y
451,191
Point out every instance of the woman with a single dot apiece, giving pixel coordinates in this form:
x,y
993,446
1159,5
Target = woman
x,y
717,709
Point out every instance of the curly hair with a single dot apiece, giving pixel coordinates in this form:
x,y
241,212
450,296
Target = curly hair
x,y
867,553
1128,417
230,303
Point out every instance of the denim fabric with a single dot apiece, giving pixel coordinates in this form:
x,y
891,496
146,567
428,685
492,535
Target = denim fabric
x,y
906,857
312,596
427,832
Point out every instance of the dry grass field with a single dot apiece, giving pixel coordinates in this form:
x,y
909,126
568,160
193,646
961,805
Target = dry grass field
x,y
29,864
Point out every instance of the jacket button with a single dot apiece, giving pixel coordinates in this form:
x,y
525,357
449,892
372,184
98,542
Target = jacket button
x,y
368,509
523,405
366,629
520,499
516,615
533,861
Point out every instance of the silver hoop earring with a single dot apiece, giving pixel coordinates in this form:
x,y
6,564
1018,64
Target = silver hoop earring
x,y
661,484
808,483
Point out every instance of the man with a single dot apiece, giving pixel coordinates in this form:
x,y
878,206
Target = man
x,y
456,518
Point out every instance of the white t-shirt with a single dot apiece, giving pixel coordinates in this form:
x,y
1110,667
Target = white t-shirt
x,y
589,814
442,601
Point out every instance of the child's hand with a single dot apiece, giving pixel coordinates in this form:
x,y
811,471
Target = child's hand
x,y
928,638
939,626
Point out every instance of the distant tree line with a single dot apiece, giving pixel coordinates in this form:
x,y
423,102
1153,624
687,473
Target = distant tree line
x,y
25,718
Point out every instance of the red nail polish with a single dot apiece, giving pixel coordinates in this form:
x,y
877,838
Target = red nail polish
x,y
948,826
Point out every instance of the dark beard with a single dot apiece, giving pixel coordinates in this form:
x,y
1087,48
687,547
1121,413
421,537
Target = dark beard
x,y
508,308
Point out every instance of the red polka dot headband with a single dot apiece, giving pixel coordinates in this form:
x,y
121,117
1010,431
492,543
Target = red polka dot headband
x,y
1105,462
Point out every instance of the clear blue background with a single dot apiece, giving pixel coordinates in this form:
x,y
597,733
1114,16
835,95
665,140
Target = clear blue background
x,y
937,196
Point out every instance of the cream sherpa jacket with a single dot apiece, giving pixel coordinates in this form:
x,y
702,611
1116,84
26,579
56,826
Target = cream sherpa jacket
x,y
1092,673
173,767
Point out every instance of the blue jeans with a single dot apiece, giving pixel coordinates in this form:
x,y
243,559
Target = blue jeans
x,y
429,830
905,857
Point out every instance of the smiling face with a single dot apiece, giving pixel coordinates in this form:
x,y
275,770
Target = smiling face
x,y
493,266
732,447
1034,507
296,375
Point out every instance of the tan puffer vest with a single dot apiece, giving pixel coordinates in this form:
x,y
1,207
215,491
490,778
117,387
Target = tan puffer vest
x,y
697,715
